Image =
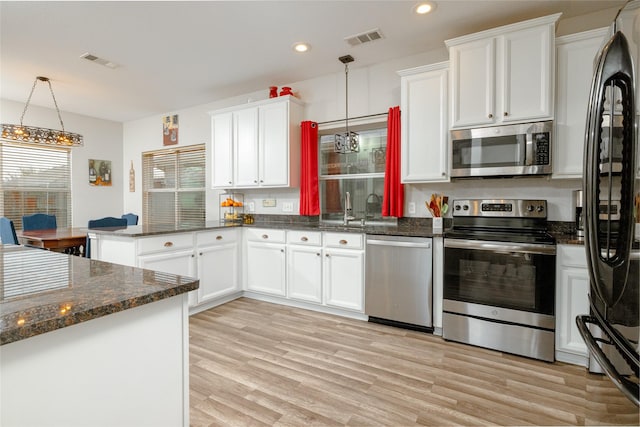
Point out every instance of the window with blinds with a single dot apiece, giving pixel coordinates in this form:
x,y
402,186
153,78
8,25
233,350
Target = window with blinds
x,y
173,183
35,179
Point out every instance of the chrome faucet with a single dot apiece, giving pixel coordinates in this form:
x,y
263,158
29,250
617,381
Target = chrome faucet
x,y
348,212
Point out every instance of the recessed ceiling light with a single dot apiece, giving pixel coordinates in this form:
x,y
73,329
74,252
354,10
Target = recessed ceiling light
x,y
424,8
301,47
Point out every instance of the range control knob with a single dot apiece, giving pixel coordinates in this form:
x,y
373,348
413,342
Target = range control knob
x,y
530,208
465,207
540,208
458,207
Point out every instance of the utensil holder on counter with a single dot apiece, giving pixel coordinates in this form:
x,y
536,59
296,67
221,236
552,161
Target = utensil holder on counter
x,y
437,225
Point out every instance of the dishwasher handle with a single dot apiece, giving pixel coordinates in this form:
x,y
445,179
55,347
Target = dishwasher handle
x,y
399,243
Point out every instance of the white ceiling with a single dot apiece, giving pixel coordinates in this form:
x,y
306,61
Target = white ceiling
x,y
178,54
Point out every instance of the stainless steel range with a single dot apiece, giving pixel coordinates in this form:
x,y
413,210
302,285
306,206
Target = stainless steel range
x,y
499,277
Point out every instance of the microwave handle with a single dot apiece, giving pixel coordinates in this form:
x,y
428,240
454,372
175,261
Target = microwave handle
x,y
530,154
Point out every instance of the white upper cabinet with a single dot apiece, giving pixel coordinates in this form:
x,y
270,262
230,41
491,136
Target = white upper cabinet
x,y
503,75
575,56
425,124
256,145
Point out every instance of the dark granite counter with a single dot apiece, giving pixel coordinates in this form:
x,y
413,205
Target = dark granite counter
x,y
43,291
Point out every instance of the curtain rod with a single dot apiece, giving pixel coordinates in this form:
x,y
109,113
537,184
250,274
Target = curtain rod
x,y
354,118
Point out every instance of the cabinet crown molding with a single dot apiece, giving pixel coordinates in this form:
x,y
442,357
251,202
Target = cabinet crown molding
x,y
423,69
289,98
583,35
494,32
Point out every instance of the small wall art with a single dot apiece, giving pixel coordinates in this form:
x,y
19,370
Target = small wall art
x,y
170,130
99,172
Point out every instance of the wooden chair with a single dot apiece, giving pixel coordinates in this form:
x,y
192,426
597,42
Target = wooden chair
x,y
39,221
132,219
106,222
8,232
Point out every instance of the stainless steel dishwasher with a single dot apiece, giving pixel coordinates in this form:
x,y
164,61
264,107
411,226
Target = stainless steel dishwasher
x,y
398,281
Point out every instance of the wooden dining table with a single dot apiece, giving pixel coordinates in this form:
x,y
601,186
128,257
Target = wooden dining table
x,y
65,239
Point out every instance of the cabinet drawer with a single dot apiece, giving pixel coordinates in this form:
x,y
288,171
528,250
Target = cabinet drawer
x,y
265,235
165,243
344,240
309,238
572,255
216,237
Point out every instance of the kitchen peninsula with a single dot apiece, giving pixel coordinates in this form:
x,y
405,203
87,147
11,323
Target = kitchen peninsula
x,y
85,342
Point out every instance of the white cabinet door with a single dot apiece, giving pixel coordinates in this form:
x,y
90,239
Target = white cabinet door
x,y
527,70
180,262
575,56
222,150
343,278
473,83
266,268
572,289
217,270
503,75
274,145
425,125
304,273
245,130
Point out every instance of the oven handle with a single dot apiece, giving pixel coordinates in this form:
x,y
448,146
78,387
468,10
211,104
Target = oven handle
x,y
500,246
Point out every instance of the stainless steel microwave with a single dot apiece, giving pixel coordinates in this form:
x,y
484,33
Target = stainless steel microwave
x,y
510,150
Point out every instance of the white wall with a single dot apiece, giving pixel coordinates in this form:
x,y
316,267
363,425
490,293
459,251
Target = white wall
x,y
102,141
372,90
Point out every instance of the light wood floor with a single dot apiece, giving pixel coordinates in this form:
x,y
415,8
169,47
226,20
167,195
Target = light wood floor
x,y
255,363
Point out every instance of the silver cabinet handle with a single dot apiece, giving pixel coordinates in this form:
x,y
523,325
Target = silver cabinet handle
x,y
168,244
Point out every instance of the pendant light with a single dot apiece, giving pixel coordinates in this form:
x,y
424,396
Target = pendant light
x,y
38,135
346,142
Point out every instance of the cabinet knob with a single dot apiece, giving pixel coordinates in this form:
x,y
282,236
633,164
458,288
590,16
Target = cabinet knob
x,y
265,236
304,238
193,256
168,244
218,237
229,182
327,255
262,180
490,116
444,173
506,114
318,253
282,250
255,181
343,242
200,253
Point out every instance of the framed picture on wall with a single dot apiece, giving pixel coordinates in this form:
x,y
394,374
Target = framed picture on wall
x,y
99,172
170,130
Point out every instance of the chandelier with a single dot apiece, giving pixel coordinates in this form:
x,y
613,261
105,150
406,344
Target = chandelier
x,y
346,142
22,133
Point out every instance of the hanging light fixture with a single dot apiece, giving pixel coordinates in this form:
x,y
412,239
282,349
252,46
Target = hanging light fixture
x,y
346,142
22,133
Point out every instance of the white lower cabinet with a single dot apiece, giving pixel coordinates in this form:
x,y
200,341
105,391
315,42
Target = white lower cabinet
x,y
343,270
181,262
265,262
572,299
304,266
218,256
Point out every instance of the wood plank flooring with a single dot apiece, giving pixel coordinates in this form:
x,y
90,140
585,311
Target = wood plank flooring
x,y
255,363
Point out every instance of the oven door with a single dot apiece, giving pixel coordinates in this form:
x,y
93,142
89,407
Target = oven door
x,y
514,276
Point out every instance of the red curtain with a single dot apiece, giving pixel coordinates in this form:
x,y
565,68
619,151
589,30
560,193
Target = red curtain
x,y
393,198
309,193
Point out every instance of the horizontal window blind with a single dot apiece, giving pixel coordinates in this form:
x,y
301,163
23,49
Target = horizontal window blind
x,y
35,179
29,272
173,184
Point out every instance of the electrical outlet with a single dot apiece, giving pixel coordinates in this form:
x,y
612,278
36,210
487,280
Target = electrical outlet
x,y
412,207
269,203
252,207
287,207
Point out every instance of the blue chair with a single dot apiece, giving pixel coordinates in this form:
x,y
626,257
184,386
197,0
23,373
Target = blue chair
x,y
106,222
39,221
132,219
8,232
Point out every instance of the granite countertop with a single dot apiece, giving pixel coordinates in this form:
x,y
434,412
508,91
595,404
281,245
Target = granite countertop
x,y
44,291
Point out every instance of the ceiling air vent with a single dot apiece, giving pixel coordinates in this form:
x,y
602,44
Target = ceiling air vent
x,y
90,57
366,37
